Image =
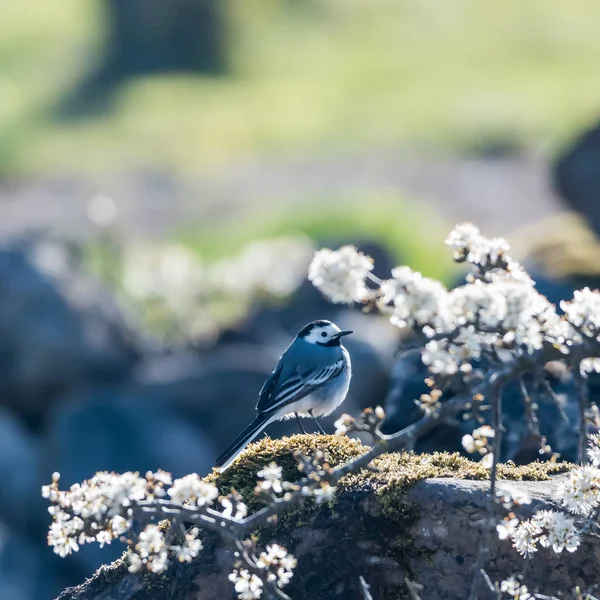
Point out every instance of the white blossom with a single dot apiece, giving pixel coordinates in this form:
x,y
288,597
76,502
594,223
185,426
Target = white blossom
x,y
63,533
580,493
343,424
469,245
548,528
324,493
478,441
594,450
584,310
151,541
191,489
190,548
514,588
248,586
340,274
506,528
414,300
561,532
279,564
271,476
510,496
589,365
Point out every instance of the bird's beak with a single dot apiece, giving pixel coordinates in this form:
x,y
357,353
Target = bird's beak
x,y
342,334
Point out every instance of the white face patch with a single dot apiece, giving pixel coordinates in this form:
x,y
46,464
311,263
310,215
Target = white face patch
x,y
322,334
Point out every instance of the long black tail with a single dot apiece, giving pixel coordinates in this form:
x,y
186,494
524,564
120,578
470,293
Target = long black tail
x,y
242,440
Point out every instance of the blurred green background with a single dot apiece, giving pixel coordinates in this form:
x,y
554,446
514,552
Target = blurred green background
x,y
304,75
290,79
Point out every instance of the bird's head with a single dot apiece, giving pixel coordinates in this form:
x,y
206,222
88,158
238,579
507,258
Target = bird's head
x,y
322,333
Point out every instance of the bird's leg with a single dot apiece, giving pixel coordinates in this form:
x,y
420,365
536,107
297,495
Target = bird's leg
x,y
316,422
300,423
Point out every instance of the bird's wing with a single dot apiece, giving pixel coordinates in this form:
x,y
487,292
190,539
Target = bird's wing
x,y
280,391
268,388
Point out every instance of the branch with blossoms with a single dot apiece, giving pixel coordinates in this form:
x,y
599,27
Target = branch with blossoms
x,y
474,340
493,330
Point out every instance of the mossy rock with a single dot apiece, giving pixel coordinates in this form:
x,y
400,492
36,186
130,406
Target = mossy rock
x,y
368,530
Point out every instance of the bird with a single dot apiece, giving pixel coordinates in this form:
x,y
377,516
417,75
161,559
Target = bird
x,y
311,380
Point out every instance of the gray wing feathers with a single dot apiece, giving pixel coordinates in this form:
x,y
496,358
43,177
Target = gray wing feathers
x,y
298,385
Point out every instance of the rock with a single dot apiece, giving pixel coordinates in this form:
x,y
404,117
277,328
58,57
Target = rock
x,y
57,328
21,504
577,176
392,523
26,573
116,429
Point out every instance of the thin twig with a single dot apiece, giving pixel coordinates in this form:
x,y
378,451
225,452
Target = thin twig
x,y
548,387
364,588
582,403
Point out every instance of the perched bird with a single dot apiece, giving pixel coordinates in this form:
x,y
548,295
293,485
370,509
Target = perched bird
x,y
310,380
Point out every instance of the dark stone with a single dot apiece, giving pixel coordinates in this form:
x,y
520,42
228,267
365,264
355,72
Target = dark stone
x,y
21,504
57,329
577,176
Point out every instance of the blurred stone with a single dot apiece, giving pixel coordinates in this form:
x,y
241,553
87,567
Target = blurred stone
x,y
577,176
121,429
518,443
57,328
20,499
26,571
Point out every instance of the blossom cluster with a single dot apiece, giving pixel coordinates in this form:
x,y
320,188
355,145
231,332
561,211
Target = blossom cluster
x,y
579,494
479,442
548,528
497,309
178,292
276,566
128,506
102,509
340,274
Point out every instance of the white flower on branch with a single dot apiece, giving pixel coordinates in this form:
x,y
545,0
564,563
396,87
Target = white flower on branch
x,y
271,476
584,310
512,586
580,493
324,493
589,365
248,586
151,541
192,490
510,496
414,300
478,441
594,450
549,529
340,274
561,533
190,548
344,424
469,245
279,563
63,534
507,527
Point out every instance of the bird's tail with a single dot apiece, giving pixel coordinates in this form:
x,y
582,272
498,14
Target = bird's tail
x,y
242,440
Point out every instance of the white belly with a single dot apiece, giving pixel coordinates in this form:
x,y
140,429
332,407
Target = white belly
x,y
322,401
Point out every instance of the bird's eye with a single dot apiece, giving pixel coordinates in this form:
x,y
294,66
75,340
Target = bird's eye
x,y
324,334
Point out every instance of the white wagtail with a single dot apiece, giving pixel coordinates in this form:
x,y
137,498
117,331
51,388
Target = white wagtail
x,y
311,380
